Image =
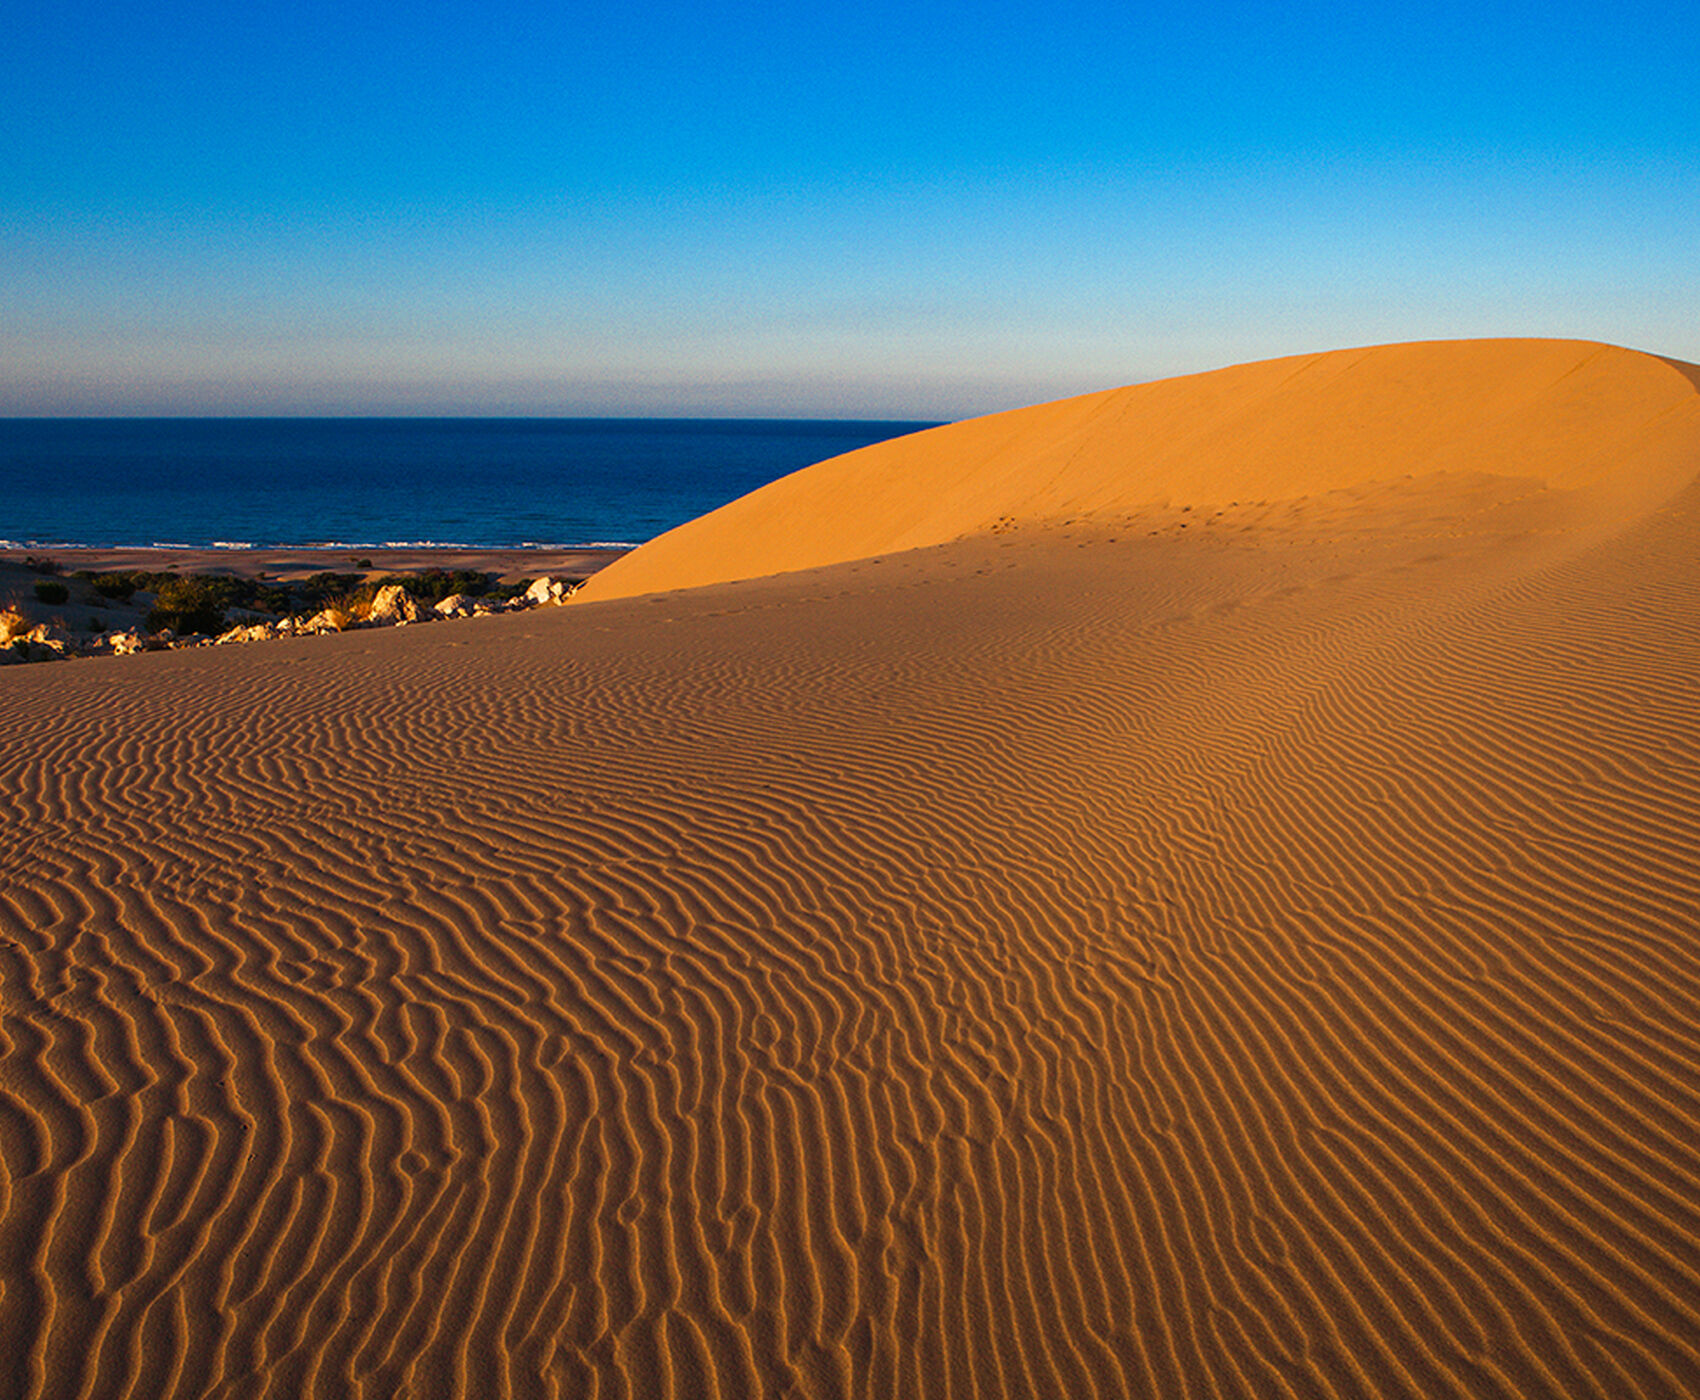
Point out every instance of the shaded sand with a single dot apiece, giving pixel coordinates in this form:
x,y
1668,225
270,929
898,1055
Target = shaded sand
x,y
1253,959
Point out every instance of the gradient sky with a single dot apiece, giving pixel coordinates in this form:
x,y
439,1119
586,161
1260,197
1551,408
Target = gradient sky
x,y
873,210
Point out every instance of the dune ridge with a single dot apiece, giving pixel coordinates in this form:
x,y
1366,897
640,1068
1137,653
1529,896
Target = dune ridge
x,y
1570,414
1098,959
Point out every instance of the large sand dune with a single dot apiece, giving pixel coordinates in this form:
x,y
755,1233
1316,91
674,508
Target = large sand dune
x,y
1248,950
1569,413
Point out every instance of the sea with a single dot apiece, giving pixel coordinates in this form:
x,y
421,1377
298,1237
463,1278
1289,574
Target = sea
x,y
349,483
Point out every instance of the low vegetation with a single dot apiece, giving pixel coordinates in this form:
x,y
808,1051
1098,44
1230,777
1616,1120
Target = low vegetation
x,y
195,604
201,602
151,609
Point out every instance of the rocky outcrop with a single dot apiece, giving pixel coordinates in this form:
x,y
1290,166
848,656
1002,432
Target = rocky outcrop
x,y
332,619
549,590
257,632
44,642
55,638
393,605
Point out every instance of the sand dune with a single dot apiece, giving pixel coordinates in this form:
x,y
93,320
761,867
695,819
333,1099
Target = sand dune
x,y
1568,413
1246,951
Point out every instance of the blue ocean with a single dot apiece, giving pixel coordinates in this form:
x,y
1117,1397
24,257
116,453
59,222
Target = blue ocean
x,y
370,482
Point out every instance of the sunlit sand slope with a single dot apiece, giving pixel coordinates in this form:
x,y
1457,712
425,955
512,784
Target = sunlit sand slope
x,y
1569,413
1237,952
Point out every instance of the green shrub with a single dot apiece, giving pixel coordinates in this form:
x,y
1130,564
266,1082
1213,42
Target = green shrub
x,y
119,586
434,585
318,590
193,604
199,602
51,591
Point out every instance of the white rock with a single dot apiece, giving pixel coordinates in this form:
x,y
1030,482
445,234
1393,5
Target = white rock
x,y
37,645
545,590
394,604
54,638
455,605
327,620
259,632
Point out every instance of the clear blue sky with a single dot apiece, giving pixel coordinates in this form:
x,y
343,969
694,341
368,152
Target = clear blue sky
x,y
871,209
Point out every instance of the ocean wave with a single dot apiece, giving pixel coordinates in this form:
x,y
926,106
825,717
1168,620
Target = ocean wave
x,y
370,484
322,546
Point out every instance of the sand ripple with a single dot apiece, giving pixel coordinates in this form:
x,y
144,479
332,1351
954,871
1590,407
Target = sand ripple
x,y
1094,962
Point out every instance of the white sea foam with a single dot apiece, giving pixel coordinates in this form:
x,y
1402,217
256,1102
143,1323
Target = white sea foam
x,y
328,546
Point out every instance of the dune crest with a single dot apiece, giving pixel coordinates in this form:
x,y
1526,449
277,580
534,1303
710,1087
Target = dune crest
x,y
1568,413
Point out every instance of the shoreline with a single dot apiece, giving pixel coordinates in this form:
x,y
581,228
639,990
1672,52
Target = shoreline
x,y
511,565
54,607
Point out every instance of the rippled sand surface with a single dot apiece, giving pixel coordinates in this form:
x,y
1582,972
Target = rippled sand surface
x,y
1194,947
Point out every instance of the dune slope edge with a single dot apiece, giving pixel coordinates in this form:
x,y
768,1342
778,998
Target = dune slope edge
x,y
1571,414
1241,952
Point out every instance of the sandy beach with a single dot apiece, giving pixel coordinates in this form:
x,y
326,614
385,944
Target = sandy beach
x,y
507,564
1190,891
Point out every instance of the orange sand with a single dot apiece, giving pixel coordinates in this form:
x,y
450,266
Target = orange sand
x,y
1566,413
1246,950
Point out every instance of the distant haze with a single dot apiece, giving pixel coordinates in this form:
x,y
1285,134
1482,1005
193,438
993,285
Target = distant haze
x,y
849,211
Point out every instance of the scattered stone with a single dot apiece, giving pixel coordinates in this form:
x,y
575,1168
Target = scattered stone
x,y
393,605
546,590
34,645
258,632
326,620
48,635
23,639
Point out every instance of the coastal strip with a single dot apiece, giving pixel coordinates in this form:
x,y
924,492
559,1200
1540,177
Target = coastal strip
x,y
60,605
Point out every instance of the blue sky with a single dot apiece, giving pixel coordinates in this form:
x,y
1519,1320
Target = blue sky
x,y
869,210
